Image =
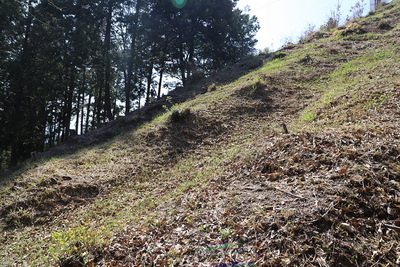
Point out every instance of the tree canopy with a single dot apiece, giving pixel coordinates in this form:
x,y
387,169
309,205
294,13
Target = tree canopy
x,y
64,61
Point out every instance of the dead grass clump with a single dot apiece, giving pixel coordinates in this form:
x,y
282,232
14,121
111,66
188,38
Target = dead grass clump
x,y
307,60
81,190
251,63
351,28
279,55
314,36
256,90
73,260
212,87
384,26
180,115
333,51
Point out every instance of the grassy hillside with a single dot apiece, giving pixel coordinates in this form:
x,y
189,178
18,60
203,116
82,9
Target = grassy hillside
x,y
216,181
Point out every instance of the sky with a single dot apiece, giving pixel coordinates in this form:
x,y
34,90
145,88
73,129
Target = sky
x,y
286,20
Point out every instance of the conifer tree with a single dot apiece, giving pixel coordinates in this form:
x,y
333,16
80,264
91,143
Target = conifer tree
x,y
69,63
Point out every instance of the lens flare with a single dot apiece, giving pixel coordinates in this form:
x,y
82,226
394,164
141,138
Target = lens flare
x,y
179,3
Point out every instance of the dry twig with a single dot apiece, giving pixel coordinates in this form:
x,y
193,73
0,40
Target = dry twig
x,y
284,191
392,226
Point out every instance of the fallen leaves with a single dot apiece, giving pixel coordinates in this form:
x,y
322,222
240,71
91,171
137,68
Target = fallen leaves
x,y
316,196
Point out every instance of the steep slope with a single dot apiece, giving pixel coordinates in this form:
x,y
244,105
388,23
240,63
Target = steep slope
x,y
216,181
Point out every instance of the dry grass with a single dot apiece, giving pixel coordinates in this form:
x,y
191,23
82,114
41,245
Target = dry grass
x,y
216,182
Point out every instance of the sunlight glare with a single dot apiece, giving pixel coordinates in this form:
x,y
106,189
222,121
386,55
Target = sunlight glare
x,y
179,3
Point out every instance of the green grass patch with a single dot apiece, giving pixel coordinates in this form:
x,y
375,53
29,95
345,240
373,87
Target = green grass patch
x,y
308,115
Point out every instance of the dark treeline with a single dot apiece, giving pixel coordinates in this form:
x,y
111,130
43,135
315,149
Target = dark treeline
x,y
86,61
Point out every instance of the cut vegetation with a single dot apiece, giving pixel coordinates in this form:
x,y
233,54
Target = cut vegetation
x,y
216,181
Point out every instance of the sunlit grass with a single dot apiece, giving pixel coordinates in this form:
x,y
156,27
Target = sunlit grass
x,y
143,177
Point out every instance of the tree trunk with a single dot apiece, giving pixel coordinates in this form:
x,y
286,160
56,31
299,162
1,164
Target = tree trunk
x,y
190,66
14,151
18,86
182,60
78,103
160,82
99,101
52,135
149,82
70,95
107,95
128,88
83,98
88,113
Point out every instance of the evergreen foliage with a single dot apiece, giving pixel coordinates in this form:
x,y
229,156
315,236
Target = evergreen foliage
x,y
64,60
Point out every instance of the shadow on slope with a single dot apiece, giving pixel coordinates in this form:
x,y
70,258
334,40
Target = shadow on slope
x,y
148,112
